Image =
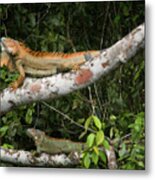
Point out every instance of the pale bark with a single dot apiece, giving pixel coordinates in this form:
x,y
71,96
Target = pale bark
x,y
47,149
60,84
111,157
26,158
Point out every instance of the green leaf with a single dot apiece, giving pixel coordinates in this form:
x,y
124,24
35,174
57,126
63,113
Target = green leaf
x,y
95,158
97,122
82,134
81,121
99,137
3,130
87,123
122,151
7,146
95,148
111,132
137,127
28,117
141,164
90,140
117,19
113,118
137,75
86,161
126,10
103,156
106,145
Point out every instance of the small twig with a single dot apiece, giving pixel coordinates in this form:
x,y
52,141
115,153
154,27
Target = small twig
x,y
125,137
68,35
103,27
66,117
97,96
91,100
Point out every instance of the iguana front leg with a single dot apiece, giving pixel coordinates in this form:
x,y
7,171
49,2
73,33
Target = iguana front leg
x,y
5,60
19,81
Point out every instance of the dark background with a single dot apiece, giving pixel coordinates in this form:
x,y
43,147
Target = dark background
x,y
117,99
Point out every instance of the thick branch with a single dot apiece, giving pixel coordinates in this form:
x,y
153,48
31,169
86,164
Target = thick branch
x,y
26,158
61,84
51,146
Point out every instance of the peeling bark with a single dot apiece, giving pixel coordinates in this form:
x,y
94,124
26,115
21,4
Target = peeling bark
x,y
60,84
25,158
47,152
111,156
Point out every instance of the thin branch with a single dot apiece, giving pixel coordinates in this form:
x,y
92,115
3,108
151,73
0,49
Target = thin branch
x,y
66,116
104,25
97,97
111,156
91,100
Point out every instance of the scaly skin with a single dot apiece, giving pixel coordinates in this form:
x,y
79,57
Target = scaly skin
x,y
5,60
39,64
51,145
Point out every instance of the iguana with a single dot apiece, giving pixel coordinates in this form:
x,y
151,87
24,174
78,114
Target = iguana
x,y
50,145
5,60
39,64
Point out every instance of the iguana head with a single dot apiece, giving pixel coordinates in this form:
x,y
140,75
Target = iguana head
x,y
36,134
11,46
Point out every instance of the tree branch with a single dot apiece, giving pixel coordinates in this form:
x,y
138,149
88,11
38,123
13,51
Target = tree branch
x,y
63,83
25,158
51,146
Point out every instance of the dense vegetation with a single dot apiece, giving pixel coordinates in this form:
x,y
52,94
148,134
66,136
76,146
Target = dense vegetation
x,y
113,107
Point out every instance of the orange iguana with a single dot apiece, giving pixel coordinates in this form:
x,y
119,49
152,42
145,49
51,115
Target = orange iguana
x,y
15,55
5,60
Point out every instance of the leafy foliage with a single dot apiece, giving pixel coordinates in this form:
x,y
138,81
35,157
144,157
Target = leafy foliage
x,y
113,107
132,150
95,143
